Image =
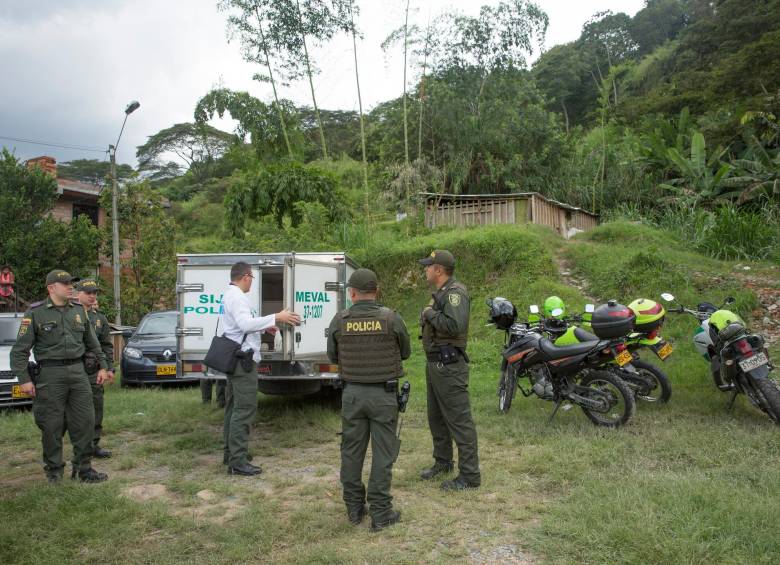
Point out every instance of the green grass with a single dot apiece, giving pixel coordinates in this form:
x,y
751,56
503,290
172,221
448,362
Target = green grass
x,y
684,483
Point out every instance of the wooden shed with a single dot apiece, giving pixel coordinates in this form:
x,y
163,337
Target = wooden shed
x,y
517,208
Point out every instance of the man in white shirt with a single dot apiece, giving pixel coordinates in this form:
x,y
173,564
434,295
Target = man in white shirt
x,y
241,324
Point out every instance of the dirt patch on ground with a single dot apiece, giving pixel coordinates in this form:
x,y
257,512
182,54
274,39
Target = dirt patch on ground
x,y
566,274
144,493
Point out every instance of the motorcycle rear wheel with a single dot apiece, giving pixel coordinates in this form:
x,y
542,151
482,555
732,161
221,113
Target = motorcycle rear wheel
x,y
621,405
767,393
662,389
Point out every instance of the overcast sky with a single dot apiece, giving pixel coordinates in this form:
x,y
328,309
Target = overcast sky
x,y
70,67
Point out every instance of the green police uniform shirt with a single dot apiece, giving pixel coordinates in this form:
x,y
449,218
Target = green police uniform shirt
x,y
102,330
368,308
54,333
447,319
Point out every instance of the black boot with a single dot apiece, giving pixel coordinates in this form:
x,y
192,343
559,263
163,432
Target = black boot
x,y
458,483
244,470
55,479
394,518
99,452
437,469
356,514
89,476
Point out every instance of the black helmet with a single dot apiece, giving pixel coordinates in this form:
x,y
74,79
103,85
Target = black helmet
x,y
502,312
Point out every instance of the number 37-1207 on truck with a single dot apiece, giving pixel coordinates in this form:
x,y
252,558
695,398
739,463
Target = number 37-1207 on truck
x,y
294,361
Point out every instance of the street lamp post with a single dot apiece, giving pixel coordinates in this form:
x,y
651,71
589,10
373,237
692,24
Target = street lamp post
x,y
132,107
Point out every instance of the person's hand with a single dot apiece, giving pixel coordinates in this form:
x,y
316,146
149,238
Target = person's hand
x,y
111,377
102,376
272,330
288,317
28,389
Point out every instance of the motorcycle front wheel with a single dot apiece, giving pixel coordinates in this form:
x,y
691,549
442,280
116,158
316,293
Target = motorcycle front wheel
x,y
506,388
617,398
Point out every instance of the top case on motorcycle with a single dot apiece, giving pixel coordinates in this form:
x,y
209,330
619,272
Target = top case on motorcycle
x,y
552,351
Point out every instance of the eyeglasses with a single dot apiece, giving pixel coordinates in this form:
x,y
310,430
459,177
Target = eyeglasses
x,y
250,275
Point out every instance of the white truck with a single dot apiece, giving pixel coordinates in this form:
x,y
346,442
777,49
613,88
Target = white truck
x,y
295,361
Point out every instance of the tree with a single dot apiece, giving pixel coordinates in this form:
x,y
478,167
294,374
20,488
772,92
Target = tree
x,y
92,171
198,145
249,21
655,24
265,125
367,210
33,242
148,250
279,29
275,189
560,73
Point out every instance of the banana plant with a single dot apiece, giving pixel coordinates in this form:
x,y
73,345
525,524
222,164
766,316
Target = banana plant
x,y
702,177
756,175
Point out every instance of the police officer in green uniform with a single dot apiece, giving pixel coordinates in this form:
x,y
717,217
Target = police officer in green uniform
x,y
368,341
445,327
59,334
87,298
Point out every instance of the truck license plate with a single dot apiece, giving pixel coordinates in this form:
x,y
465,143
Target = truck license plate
x,y
166,370
16,392
754,362
624,358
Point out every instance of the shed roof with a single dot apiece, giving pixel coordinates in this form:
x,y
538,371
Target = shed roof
x,y
511,196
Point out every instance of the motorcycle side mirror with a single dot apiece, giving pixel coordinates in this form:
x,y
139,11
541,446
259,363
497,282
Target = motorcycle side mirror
x,y
534,309
557,312
590,308
668,297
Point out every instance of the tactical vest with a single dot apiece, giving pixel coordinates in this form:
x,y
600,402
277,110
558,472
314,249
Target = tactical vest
x,y
431,338
368,348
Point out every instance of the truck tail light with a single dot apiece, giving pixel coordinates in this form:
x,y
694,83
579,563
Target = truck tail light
x,y
326,368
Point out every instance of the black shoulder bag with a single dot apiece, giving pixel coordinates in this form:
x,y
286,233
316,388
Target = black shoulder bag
x,y
222,354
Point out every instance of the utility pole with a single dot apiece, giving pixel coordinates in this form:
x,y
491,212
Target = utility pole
x,y
115,237
132,107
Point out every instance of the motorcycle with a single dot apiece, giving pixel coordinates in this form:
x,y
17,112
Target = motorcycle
x,y
649,383
569,374
739,361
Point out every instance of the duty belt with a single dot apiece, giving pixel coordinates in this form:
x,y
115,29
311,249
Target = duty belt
x,y
59,362
389,386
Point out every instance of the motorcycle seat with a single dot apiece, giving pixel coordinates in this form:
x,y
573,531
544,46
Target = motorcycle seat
x,y
584,335
552,351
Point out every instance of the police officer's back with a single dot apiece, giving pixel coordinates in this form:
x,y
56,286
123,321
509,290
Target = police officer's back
x,y
368,341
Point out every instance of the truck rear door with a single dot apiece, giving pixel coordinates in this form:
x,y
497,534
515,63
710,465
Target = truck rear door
x,y
312,289
200,303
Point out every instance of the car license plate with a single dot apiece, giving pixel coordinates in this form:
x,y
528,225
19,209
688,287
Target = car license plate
x,y
16,392
665,351
166,370
624,358
754,362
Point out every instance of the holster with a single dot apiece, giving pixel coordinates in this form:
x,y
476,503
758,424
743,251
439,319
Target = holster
x,y
34,370
91,363
245,358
